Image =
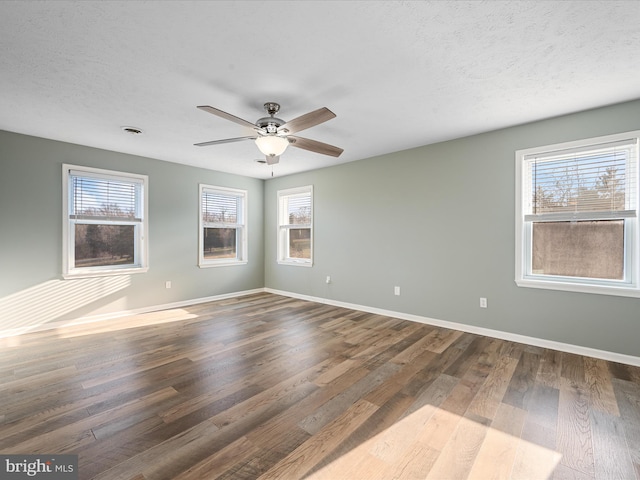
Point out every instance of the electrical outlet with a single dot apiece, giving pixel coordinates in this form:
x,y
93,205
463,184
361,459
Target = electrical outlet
x,y
328,279
483,302
167,284
396,291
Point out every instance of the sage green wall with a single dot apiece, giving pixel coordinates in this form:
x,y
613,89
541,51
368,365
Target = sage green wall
x,y
31,289
438,221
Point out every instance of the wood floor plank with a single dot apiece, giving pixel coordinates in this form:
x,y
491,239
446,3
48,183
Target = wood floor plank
x,y
220,460
628,397
544,407
535,455
415,464
286,421
444,422
264,457
611,456
459,454
342,368
522,382
395,441
550,369
573,367
302,459
273,399
471,357
489,397
601,392
83,431
562,472
407,355
170,458
440,339
363,466
358,444
106,453
497,453
266,385
575,439
314,422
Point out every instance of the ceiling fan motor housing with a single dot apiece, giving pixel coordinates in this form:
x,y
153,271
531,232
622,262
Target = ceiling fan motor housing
x,y
270,124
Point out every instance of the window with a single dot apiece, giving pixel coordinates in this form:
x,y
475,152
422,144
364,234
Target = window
x,y
295,226
576,216
223,226
105,225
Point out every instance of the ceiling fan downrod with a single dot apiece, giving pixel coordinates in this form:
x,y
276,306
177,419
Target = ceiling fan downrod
x,y
272,108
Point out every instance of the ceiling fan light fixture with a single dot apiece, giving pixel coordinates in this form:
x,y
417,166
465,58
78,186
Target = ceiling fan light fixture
x,y
272,145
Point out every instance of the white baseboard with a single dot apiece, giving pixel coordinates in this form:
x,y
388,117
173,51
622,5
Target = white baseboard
x,y
512,337
123,313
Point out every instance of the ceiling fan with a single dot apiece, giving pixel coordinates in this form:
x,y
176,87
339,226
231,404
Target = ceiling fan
x,y
273,135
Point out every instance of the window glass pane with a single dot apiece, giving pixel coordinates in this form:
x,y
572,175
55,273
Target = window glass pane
x,y
102,245
590,249
104,198
299,210
299,243
295,217
220,208
588,181
219,243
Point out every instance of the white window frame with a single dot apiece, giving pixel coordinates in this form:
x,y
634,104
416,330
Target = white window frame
x,y
284,226
141,263
630,285
240,226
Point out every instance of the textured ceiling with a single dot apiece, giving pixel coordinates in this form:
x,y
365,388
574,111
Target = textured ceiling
x,y
397,74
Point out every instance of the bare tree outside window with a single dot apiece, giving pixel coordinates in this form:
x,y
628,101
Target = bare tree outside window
x,y
103,244
219,243
300,238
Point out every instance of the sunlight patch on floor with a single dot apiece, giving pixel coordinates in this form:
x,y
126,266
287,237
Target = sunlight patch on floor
x,y
433,443
124,323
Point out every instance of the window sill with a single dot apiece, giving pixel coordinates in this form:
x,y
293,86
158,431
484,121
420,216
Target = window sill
x,y
104,273
622,290
221,264
295,264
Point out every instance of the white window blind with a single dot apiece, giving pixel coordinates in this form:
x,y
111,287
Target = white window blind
x,y
96,196
221,208
298,210
599,182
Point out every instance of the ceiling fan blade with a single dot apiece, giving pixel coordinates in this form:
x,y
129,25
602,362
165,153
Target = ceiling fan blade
x,y
227,116
314,146
272,160
307,120
226,140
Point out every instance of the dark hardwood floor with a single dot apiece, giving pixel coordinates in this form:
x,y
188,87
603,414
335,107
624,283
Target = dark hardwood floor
x,y
270,387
